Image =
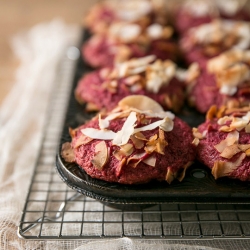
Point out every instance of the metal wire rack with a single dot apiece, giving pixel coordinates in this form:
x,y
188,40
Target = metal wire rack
x,y
54,211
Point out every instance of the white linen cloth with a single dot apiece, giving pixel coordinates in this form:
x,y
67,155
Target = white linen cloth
x,y
22,117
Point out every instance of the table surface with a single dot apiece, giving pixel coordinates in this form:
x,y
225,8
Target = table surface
x,y
16,16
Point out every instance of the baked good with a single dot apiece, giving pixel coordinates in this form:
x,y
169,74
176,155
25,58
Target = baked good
x,y
225,81
103,89
141,12
206,41
123,41
223,142
192,13
135,143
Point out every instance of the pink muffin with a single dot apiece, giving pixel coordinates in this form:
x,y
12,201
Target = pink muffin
x,y
141,12
226,81
193,13
123,41
159,80
223,142
134,144
206,41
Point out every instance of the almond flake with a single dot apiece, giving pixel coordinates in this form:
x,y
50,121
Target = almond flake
x,y
101,155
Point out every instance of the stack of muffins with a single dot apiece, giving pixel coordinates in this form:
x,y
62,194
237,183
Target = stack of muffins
x,y
149,61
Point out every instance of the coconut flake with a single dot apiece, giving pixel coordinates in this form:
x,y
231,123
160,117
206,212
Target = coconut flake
x,y
99,134
127,130
230,151
222,168
140,102
103,123
230,140
155,31
101,155
151,161
67,152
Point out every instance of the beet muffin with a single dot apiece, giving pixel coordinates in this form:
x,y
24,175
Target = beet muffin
x,y
123,41
209,40
223,142
226,81
134,144
141,12
193,13
103,89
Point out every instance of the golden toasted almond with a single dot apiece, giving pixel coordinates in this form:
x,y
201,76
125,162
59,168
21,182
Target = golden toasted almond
x,y
140,102
212,112
67,152
82,140
230,151
223,168
101,155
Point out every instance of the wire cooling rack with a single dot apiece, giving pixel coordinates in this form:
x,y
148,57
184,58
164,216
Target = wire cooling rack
x,y
54,211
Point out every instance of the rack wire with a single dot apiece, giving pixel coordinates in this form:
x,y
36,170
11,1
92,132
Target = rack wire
x,y
54,211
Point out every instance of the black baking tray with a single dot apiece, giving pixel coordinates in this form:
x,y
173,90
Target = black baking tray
x,y
198,186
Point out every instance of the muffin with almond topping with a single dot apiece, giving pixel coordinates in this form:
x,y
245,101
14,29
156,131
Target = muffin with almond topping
x,y
206,41
159,80
123,41
135,143
193,13
223,142
225,81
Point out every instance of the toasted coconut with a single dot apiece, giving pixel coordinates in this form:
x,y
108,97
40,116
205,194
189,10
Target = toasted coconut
x,y
72,132
247,128
192,73
131,80
196,142
122,136
223,120
197,134
230,151
229,141
247,152
122,162
90,107
211,113
138,144
127,149
140,102
169,176
222,168
182,172
82,140
238,123
151,161
103,123
101,155
226,129
140,136
99,134
244,147
67,152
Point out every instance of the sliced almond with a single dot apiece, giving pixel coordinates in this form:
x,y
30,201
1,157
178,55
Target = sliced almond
x,y
101,155
67,152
